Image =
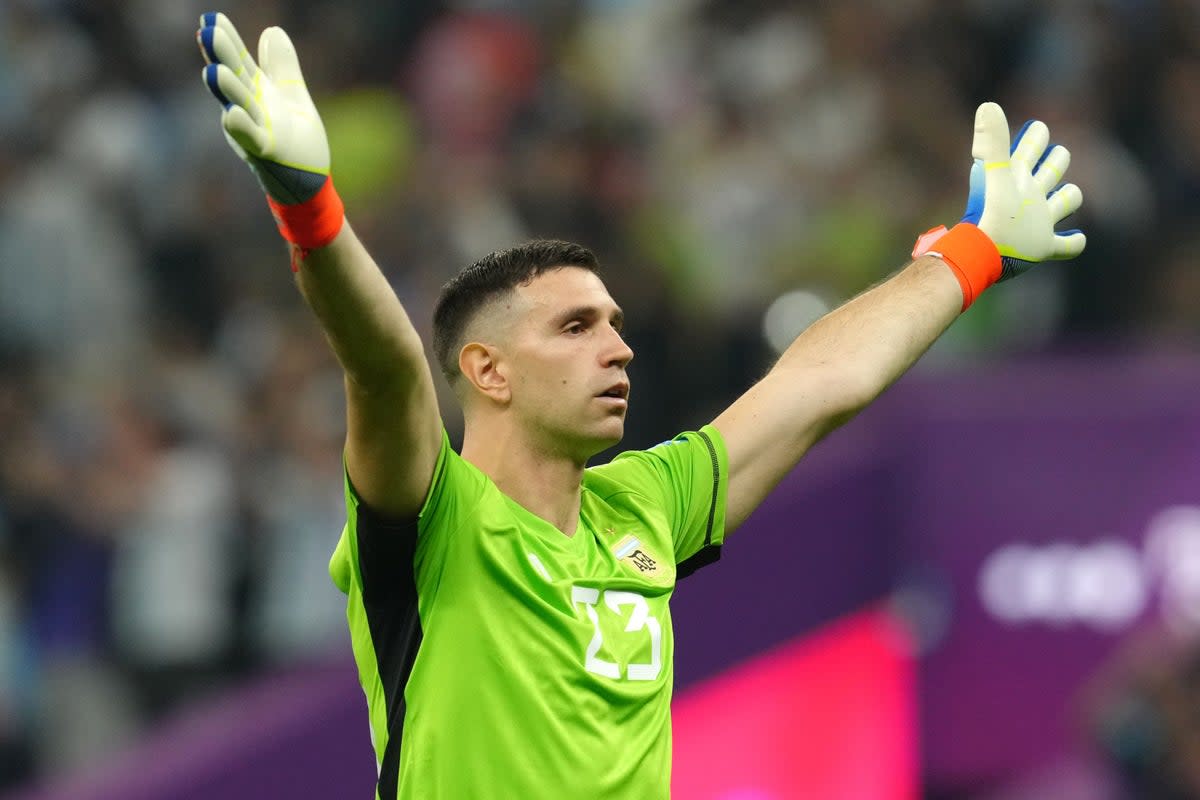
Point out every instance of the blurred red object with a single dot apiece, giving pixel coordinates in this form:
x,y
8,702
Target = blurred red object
x,y
830,716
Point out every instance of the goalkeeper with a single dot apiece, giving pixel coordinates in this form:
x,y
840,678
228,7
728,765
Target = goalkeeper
x,y
509,606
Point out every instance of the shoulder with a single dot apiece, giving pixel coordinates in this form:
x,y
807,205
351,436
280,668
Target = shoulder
x,y
462,496
705,446
645,472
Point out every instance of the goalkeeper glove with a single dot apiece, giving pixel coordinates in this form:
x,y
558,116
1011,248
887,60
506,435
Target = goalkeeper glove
x,y
1012,207
271,123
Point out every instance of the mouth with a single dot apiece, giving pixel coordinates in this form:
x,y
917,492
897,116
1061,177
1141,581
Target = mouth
x,y
618,392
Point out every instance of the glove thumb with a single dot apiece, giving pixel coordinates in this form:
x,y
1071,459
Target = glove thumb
x,y
277,58
248,137
991,134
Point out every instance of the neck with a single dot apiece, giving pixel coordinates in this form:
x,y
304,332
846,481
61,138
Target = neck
x,y
544,482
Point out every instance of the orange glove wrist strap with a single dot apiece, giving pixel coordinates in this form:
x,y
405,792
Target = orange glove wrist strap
x,y
314,223
970,254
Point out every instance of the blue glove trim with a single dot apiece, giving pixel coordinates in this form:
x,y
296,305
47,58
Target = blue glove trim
x,y
975,194
206,41
1017,139
210,19
1040,161
210,78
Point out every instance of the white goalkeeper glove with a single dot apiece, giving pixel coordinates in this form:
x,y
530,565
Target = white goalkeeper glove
x,y
271,123
1013,201
1013,197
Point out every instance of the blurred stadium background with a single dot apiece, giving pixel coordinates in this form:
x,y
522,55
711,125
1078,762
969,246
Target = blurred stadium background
x,y
987,587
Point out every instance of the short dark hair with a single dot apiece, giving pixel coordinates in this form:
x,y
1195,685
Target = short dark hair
x,y
489,277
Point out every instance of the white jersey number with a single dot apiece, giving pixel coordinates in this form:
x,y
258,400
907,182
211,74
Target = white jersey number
x,y
639,618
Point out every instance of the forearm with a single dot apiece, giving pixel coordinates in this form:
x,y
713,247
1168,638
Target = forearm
x,y
855,352
366,325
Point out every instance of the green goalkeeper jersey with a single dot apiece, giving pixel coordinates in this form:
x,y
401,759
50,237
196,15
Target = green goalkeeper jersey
x,y
502,659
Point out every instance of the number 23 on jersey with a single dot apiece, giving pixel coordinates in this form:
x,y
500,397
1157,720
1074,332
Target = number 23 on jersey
x,y
641,623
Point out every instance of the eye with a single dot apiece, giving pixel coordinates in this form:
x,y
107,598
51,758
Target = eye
x,y
574,329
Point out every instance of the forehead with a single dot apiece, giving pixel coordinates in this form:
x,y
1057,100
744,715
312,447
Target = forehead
x,y
555,290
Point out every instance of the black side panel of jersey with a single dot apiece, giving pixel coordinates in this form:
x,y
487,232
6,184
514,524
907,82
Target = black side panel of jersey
x,y
385,554
709,553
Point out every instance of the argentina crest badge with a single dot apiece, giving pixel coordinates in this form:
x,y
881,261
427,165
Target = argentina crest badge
x,y
633,553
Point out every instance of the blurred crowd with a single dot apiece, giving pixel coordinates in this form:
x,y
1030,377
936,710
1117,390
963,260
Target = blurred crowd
x,y
170,418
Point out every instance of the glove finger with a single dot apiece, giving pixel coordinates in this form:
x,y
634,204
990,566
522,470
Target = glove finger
x,y
278,57
218,48
991,135
1068,244
210,77
1052,168
228,89
252,138
204,40
220,41
1065,202
1030,144
237,148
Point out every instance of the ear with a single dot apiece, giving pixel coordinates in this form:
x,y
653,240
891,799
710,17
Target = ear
x,y
481,366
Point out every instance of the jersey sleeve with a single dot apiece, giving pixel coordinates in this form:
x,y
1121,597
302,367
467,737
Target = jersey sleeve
x,y
373,553
687,478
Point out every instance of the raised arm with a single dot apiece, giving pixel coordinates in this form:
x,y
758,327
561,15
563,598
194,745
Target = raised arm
x,y
393,426
846,359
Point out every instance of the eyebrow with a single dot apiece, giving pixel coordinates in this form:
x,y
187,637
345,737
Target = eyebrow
x,y
588,313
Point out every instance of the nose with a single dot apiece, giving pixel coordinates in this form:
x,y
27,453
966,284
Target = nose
x,y
617,353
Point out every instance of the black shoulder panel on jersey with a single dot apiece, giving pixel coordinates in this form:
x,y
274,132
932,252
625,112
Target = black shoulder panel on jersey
x,y
709,553
385,553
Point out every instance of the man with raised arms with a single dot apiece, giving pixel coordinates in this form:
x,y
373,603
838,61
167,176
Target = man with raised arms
x,y
509,605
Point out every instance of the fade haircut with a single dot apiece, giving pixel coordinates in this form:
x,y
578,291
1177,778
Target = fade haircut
x,y
489,278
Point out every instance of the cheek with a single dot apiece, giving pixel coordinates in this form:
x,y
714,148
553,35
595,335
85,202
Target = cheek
x,y
560,373
548,388
553,373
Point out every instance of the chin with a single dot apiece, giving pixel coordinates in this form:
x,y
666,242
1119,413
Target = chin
x,y
606,436
615,427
